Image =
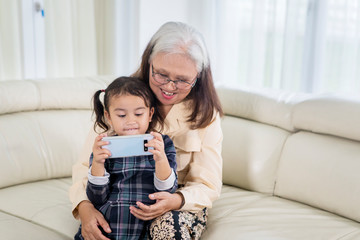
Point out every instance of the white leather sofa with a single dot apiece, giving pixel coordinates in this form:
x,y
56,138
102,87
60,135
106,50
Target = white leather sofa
x,y
291,162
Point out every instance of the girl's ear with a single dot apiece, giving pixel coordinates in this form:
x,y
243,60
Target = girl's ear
x,y
152,110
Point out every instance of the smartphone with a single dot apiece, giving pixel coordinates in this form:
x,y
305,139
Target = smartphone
x,y
128,146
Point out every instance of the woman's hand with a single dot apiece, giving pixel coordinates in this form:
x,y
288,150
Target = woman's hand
x,y
164,202
90,221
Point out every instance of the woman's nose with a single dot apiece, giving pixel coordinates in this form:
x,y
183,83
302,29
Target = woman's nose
x,y
170,85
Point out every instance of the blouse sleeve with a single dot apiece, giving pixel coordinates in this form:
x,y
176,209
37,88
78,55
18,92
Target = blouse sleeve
x,y
98,194
98,187
203,180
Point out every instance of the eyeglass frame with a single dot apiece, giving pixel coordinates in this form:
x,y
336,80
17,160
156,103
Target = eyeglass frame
x,y
174,81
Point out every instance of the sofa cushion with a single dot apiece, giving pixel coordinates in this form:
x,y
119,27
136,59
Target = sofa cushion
x,y
241,214
322,171
14,228
39,94
16,96
329,115
251,151
43,203
265,106
40,145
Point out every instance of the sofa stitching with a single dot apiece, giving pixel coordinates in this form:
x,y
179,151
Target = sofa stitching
x,y
278,162
347,234
35,223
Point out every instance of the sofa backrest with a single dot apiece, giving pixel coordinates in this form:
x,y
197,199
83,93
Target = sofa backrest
x,y
323,158
255,127
43,124
306,148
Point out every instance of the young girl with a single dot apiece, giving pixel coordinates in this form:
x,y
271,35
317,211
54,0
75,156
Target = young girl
x,y
116,184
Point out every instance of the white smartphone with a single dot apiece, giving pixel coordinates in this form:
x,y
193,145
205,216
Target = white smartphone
x,y
128,146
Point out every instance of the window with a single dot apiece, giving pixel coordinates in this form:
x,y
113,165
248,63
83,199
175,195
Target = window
x,y
33,35
297,45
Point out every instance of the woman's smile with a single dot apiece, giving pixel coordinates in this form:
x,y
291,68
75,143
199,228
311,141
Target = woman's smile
x,y
167,95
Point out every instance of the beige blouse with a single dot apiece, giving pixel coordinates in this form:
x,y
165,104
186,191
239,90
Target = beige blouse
x,y
198,157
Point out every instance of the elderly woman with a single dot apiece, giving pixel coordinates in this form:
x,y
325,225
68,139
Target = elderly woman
x,y
175,64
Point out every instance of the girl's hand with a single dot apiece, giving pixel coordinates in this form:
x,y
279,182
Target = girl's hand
x,y
158,144
99,153
165,202
162,167
99,156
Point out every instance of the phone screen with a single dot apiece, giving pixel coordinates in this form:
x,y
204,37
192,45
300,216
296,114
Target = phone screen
x,y
127,146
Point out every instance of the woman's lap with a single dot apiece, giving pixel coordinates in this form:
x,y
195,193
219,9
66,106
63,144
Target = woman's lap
x,y
175,225
179,225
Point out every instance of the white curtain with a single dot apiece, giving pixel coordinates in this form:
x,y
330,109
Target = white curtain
x,y
10,40
90,37
297,45
77,38
67,40
70,38
263,43
341,43
117,34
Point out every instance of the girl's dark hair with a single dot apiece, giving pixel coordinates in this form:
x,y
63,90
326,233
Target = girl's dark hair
x,y
205,101
123,86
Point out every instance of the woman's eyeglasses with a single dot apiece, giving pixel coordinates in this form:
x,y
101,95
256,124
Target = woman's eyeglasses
x,y
180,84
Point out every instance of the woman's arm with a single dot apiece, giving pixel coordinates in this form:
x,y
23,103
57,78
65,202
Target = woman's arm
x,y
203,181
90,218
165,202
77,192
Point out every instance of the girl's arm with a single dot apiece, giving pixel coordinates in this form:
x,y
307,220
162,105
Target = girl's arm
x,y
98,187
165,162
98,193
99,156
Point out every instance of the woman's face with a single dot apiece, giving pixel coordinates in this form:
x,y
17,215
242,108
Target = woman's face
x,y
175,67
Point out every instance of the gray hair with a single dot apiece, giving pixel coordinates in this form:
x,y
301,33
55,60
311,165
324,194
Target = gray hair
x,y
177,37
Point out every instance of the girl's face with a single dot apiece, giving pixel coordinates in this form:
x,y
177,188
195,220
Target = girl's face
x,y
175,67
128,115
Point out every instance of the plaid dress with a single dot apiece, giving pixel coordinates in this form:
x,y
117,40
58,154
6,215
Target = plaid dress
x,y
131,179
